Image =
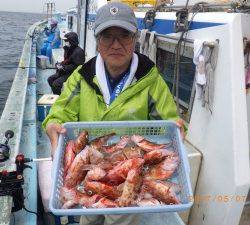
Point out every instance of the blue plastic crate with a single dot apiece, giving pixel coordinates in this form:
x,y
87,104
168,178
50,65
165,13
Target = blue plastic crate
x,y
157,131
42,111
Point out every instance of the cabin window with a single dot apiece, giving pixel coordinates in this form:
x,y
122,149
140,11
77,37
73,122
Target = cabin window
x,y
165,63
70,22
165,58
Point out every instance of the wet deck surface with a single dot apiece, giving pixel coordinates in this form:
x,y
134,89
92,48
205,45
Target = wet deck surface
x,y
245,217
42,76
43,145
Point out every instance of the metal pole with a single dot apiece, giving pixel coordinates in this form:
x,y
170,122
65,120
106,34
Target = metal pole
x,y
166,6
86,24
47,11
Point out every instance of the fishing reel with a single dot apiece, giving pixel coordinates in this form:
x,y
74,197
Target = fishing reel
x,y
4,148
181,23
11,182
149,19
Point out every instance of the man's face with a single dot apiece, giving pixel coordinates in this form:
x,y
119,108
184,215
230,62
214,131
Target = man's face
x,y
116,46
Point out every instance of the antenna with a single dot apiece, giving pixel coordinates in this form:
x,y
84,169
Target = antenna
x,y
50,9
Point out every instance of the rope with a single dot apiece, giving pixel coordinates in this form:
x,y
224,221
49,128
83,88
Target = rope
x,y
182,19
175,87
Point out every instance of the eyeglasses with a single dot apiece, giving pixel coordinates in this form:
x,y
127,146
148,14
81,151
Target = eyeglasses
x,y
124,39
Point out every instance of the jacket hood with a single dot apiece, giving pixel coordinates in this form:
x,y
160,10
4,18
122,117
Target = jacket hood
x,y
72,37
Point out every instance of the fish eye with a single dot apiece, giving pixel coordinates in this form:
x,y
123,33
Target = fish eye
x,y
89,192
145,169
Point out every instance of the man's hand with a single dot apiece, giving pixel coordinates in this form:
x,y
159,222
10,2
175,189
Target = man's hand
x,y
59,66
53,130
180,124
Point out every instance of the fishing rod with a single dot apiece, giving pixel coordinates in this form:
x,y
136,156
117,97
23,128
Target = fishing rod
x,y
5,152
23,67
14,67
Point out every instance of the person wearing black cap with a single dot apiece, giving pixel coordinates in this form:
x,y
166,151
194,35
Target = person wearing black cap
x,y
73,57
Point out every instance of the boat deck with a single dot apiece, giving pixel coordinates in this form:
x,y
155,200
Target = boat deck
x,y
245,216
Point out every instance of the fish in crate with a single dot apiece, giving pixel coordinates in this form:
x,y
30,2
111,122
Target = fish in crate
x,y
131,172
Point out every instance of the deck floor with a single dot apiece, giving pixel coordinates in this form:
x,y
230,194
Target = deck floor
x,y
43,145
245,216
42,76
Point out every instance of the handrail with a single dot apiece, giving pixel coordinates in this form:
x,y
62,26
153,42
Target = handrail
x,y
187,40
210,44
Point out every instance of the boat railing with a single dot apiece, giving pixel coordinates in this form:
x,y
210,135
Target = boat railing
x,y
210,44
13,113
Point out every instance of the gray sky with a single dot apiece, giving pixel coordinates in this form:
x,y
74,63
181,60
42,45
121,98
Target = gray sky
x,y
34,5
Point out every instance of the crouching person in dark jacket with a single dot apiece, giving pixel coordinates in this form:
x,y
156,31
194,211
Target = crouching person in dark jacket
x,y
73,57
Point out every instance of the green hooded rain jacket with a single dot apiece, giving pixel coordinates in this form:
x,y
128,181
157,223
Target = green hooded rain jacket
x,y
146,99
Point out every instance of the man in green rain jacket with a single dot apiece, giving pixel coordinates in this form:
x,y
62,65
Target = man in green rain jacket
x,y
147,98
118,84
